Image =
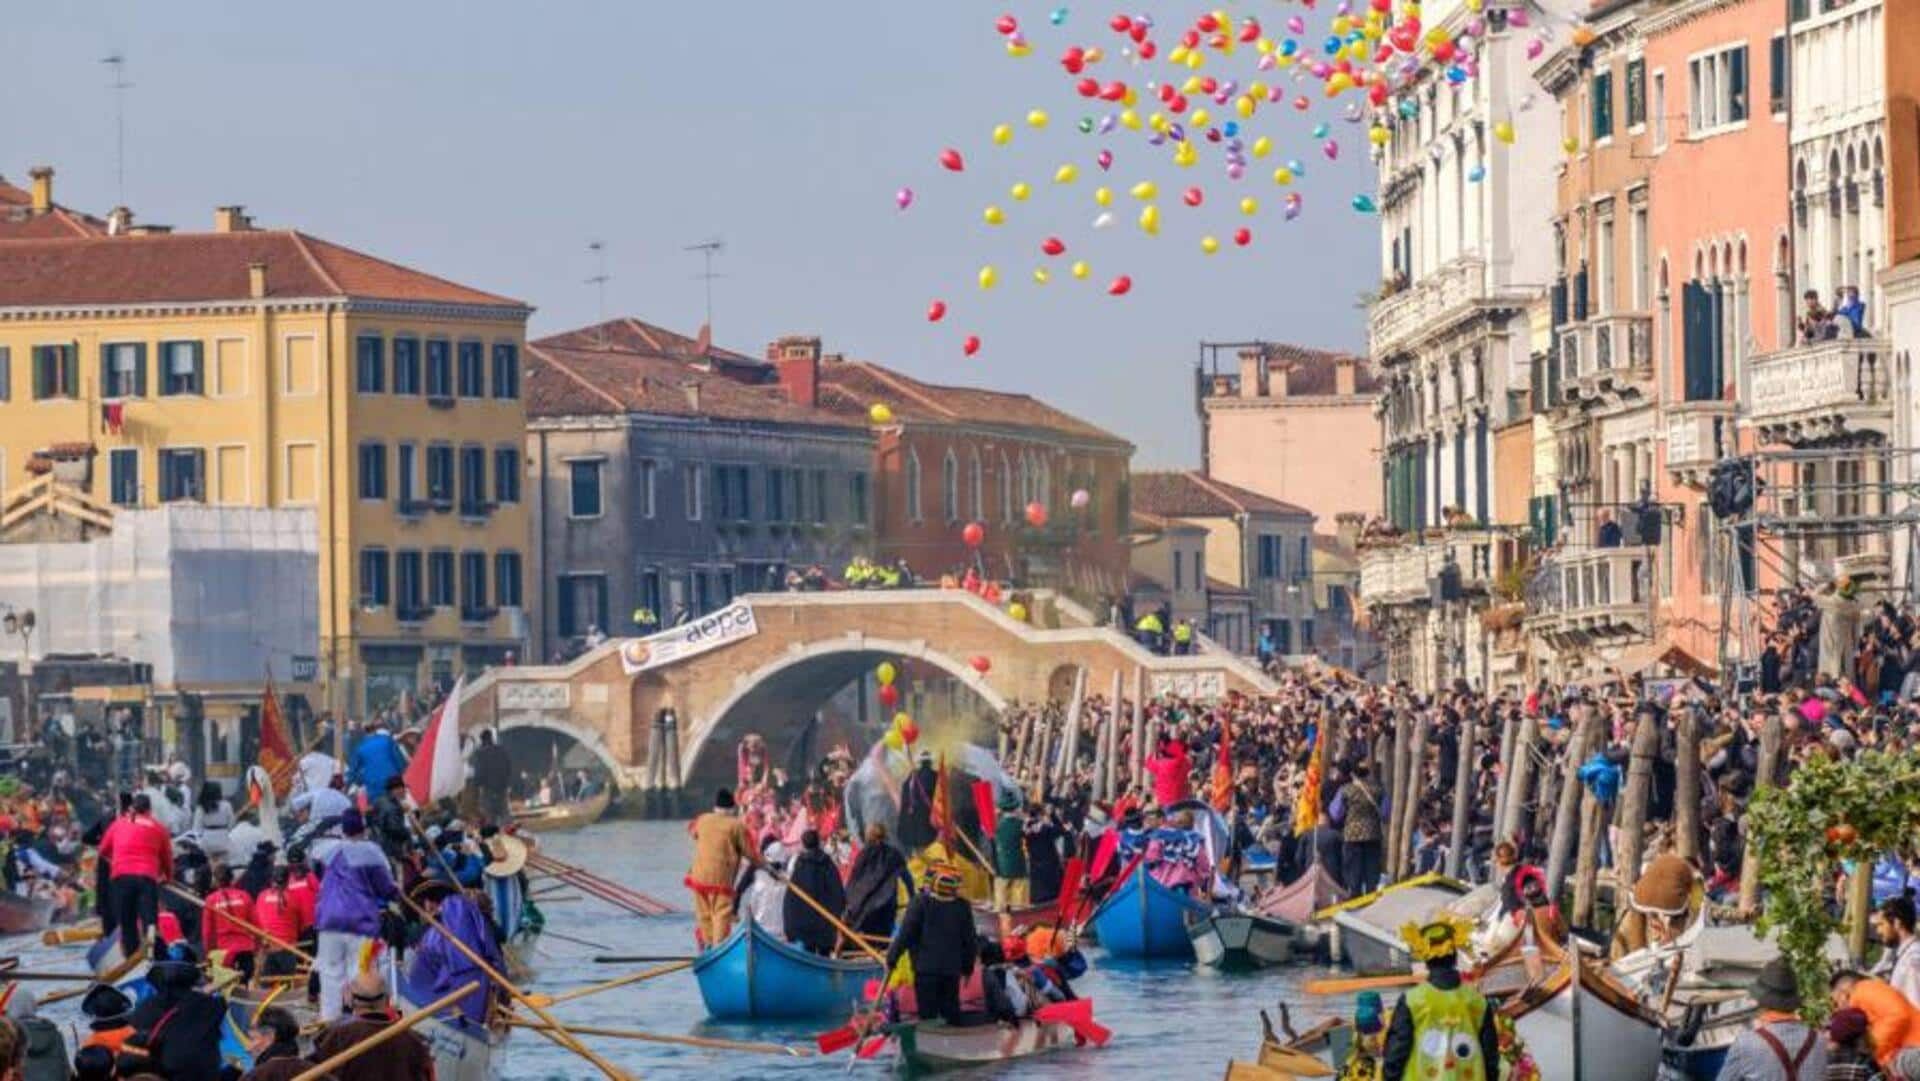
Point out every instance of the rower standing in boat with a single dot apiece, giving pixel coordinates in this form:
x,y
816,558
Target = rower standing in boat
x,y
720,845
1443,1029
938,934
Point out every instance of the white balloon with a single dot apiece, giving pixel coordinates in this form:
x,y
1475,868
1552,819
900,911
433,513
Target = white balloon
x,y
1105,219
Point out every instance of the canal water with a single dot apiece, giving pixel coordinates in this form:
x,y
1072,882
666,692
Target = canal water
x,y
1170,1020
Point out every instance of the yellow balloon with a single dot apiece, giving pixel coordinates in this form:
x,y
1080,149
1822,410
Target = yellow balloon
x,y
894,740
1341,24
1081,269
1130,98
1262,147
1103,196
1282,61
1210,245
1178,55
1041,275
886,671
1002,134
1256,89
1378,136
901,720
1245,106
1018,611
1570,144
1195,60
1374,31
1191,86
1337,82
1020,191
994,215
1264,46
1129,119
1159,123
1146,189
1017,49
1283,176
1184,155
1066,174
1249,206
1037,119
1150,220
880,414
1201,118
988,276
1503,131
1095,55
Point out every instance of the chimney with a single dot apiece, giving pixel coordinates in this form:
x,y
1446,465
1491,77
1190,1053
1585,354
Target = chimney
x,y
1277,379
231,219
692,389
257,280
42,188
798,360
119,221
1253,373
1345,375
1347,525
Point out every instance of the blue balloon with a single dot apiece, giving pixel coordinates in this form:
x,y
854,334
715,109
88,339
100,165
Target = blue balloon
x,y
1320,130
1331,45
1294,167
1289,47
1476,174
1231,128
1058,16
1409,108
1455,75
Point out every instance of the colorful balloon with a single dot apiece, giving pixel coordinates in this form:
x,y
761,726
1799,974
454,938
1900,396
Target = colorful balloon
x,y
1007,25
1018,611
1066,174
1053,245
909,733
1331,150
951,160
1193,196
903,198
1243,236
972,534
1041,275
1149,220
1364,204
987,277
1503,131
1144,190
1104,159
936,311
879,413
994,215
1079,499
1002,134
1058,16
895,742
1103,196
970,345
1209,245
1036,514
1020,191
1081,269
1249,206
886,673
1120,286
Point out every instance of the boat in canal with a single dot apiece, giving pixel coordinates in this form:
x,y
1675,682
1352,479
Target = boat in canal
x,y
1241,940
463,1049
1145,919
1023,918
1367,928
753,976
557,817
24,915
932,1046
1296,902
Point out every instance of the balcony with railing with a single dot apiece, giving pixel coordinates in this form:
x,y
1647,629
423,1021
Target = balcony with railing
x,y
1398,318
1606,355
1699,434
1407,573
1823,393
1590,594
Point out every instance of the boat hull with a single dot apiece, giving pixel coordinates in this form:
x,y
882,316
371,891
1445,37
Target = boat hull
x,y
563,816
24,915
1240,941
462,1050
1368,928
1611,1042
753,976
1146,920
931,1046
1024,919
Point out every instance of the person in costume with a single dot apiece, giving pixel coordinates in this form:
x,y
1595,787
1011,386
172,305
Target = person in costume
x,y
1443,1030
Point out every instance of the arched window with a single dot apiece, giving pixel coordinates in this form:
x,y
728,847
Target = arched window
x,y
950,487
978,488
1026,479
1006,489
1783,293
913,486
1663,315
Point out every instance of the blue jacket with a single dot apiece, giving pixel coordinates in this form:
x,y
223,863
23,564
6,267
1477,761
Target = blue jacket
x,y
357,885
377,758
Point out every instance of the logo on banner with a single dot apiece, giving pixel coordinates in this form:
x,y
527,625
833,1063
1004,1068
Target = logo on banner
x,y
731,624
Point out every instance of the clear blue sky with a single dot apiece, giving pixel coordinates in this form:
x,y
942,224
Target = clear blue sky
x,y
489,142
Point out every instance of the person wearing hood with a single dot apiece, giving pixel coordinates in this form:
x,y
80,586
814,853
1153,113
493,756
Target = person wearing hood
x,y
46,1049
814,874
873,886
108,1011
916,806
762,894
438,967
178,1027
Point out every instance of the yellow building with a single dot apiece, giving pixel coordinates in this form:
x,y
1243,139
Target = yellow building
x,y
262,368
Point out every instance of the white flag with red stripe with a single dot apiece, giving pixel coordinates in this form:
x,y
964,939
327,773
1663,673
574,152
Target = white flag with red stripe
x,y
438,771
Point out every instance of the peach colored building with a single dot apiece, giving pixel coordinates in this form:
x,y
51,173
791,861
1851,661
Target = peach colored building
x,y
1294,424
1722,271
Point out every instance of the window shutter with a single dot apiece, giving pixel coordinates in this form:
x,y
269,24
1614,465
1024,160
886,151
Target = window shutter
x,y
1737,82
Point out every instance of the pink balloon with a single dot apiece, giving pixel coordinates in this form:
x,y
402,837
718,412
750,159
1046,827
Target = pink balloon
x,y
903,198
1331,150
1105,159
1296,25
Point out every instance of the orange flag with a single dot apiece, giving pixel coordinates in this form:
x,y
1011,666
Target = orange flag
x,y
276,750
1223,769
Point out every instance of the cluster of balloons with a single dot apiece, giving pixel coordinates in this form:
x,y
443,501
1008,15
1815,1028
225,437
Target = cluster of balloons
x,y
885,675
1197,91
903,733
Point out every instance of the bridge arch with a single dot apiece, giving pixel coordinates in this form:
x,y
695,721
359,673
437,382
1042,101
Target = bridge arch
x,y
588,738
806,675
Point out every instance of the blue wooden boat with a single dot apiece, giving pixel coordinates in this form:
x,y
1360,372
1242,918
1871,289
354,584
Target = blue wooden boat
x,y
753,976
1142,918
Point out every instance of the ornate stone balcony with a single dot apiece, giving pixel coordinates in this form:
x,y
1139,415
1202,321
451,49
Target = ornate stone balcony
x,y
1405,574
1591,594
1397,319
1823,393
1605,356
1698,435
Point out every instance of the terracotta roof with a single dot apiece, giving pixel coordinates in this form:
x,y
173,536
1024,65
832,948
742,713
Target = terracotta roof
x,y
852,387
582,382
1189,493
18,222
631,335
189,267
1311,371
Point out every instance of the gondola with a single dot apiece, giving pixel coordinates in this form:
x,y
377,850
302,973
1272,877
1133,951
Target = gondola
x,y
562,816
1368,927
463,1049
931,1046
1241,940
1145,919
753,976
1297,901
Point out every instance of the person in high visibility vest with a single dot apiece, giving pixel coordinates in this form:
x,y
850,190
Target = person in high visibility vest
x,y
645,621
1443,1029
1183,637
1148,630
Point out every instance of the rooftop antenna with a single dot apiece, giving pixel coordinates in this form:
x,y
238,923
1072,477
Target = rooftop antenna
x,y
118,62
599,282
708,249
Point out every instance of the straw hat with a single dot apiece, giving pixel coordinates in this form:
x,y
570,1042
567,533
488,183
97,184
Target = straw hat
x,y
506,854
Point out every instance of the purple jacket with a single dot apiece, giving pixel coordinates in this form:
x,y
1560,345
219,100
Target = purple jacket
x,y
356,887
438,968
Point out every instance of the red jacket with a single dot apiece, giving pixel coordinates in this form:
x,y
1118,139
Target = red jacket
x,y
220,933
138,845
304,889
1172,776
278,913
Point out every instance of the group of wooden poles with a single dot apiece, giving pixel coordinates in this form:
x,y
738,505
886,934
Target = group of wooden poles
x,y
1047,745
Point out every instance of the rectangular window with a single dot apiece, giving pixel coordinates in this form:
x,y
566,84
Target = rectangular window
x,y
1659,110
302,486
406,457
506,370
1603,269
582,604
408,586
1636,93
1777,74
439,371
506,579
440,579
373,471
183,475
370,364
440,475
857,497
1641,242
123,476
6,374
473,481
584,488
1717,83
473,370
1270,557
123,370
1179,570
375,588
56,372
406,366
506,475
646,622
183,368
649,469
693,483
820,497
1602,105
732,493
473,585
299,369
776,494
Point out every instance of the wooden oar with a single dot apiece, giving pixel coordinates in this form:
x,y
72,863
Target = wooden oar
x,y
612,892
65,936
560,1034
272,940
404,1024
849,1033
688,1041
43,977
112,975
1361,983
641,959
623,981
548,932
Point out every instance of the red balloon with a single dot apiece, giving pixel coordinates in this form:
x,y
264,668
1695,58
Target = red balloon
x,y
1443,52
909,733
1209,84
1120,24
1243,236
1074,60
936,311
1166,92
1207,23
971,345
1147,49
1302,103
973,534
980,664
1138,33
1377,94
1251,31
1037,515
1006,24
1190,39
952,160
1088,88
1113,91
1053,245
1194,197
1178,104
1121,286
889,696
1218,42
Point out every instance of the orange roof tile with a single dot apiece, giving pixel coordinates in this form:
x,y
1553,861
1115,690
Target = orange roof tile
x,y
586,382
852,387
1189,493
632,335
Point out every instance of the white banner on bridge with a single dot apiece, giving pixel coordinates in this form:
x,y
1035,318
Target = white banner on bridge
x,y
730,624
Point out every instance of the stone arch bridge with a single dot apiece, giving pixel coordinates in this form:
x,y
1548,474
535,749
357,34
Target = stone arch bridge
x,y
796,651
